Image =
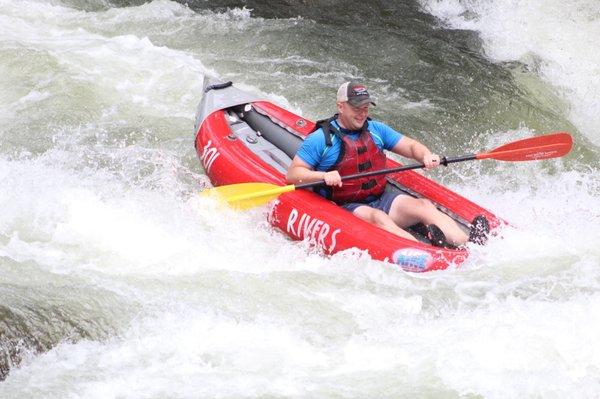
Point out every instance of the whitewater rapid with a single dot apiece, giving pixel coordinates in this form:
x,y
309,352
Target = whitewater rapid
x,y
118,280
556,40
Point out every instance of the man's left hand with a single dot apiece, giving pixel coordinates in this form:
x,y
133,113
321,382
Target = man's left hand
x,y
431,161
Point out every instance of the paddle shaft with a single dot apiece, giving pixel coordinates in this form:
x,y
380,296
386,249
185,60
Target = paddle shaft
x,y
540,147
247,195
443,161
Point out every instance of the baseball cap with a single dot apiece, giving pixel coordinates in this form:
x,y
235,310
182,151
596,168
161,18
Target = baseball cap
x,y
355,93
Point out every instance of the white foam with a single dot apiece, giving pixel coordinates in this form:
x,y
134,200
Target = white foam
x,y
224,306
127,69
557,39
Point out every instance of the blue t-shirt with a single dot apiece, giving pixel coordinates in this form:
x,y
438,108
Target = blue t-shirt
x,y
315,152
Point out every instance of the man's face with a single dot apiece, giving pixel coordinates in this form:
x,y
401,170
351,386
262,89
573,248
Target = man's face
x,y
351,117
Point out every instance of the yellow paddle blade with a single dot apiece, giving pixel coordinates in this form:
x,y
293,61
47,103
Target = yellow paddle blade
x,y
248,195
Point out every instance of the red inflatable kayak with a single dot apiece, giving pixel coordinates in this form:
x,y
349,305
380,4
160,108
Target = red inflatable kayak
x,y
241,138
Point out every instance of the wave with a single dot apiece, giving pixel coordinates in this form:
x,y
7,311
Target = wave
x,y
117,275
555,39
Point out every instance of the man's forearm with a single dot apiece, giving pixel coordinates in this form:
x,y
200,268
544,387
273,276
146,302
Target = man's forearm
x,y
419,151
299,175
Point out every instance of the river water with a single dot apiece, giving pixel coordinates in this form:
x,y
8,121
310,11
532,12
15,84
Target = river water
x,y
118,281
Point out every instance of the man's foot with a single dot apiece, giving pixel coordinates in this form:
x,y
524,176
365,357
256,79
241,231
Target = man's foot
x,y
480,228
436,236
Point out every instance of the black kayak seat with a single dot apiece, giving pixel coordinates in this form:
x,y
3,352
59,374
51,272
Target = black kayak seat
x,y
279,136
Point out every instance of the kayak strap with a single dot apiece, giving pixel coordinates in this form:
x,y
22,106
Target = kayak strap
x,y
218,86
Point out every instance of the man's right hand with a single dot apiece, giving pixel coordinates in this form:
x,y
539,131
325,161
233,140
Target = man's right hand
x,y
300,172
332,178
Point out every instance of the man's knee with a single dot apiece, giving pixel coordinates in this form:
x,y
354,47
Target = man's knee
x,y
417,209
372,215
424,205
380,216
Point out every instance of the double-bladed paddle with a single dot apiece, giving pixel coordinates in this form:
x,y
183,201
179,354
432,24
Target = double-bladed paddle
x,y
554,145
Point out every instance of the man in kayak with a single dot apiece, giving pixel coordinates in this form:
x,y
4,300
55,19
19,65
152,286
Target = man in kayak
x,y
350,143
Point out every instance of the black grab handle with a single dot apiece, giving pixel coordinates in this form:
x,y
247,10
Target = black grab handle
x,y
218,86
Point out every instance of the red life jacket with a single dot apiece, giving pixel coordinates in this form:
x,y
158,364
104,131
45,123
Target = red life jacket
x,y
356,156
